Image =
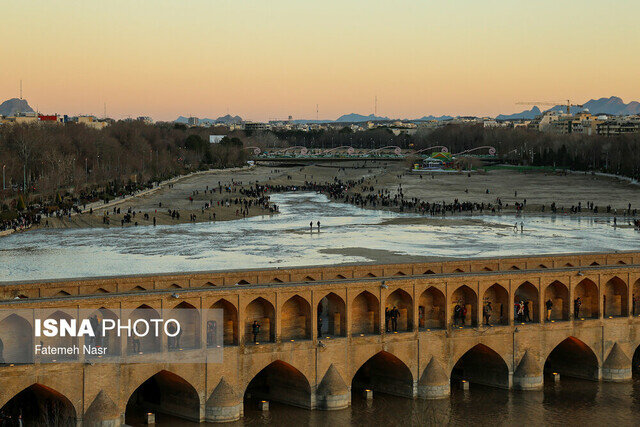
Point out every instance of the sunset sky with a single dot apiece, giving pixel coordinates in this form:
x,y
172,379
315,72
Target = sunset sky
x,y
269,59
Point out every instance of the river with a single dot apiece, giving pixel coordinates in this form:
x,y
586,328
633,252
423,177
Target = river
x,y
348,234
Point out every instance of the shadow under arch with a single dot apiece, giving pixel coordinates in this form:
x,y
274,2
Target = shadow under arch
x,y
279,382
572,358
498,298
467,299
331,316
365,314
615,301
558,295
384,373
39,405
431,309
295,318
635,362
165,393
16,340
481,365
229,328
261,311
403,303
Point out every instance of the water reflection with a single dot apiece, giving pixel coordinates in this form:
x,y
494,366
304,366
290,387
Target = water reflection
x,y
284,240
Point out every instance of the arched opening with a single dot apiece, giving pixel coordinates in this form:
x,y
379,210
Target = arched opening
x,y
556,302
383,373
331,316
175,286
242,282
59,341
635,300
276,280
481,365
296,319
365,314
165,394
260,313
38,405
400,306
572,358
614,300
16,338
431,309
464,306
635,362
514,267
495,305
229,327
148,343
189,335
279,382
586,303
526,300
138,289
429,272
110,339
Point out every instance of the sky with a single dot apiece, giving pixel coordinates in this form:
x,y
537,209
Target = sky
x,y
270,59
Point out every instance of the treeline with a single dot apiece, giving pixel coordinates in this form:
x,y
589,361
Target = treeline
x,y
618,155
85,163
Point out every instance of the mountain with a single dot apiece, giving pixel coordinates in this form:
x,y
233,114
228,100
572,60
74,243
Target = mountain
x,y
439,118
228,119
13,106
525,115
612,106
355,118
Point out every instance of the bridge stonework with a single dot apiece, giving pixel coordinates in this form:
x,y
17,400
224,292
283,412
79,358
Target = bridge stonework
x,y
314,364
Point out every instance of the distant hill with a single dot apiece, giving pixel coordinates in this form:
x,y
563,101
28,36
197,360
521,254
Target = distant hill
x,y
13,106
525,115
228,119
356,118
438,118
611,106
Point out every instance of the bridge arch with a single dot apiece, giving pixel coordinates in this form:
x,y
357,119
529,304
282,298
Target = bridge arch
x,y
148,343
572,358
404,303
332,311
280,382
467,298
16,340
59,340
295,318
40,405
615,301
110,340
481,365
635,362
163,393
528,293
365,314
587,291
558,293
635,308
384,373
189,318
431,309
229,328
260,310
498,297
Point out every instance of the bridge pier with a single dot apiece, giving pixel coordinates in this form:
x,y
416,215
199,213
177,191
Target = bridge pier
x,y
617,366
434,383
528,375
223,405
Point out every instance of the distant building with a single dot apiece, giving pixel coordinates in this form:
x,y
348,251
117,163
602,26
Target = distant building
x,y
255,126
145,119
193,121
619,126
215,139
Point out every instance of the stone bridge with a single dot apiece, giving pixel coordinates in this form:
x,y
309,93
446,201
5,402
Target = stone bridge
x,y
320,364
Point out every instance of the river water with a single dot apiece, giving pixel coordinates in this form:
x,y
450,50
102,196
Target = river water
x,y
284,240
571,402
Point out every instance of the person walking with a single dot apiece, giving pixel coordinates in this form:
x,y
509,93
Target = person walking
x,y
318,226
255,329
576,307
311,227
549,306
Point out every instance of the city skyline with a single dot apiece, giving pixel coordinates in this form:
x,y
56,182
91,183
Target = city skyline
x,y
208,59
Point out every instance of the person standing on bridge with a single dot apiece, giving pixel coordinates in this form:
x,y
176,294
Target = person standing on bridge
x,y
576,307
549,305
525,311
387,316
395,313
456,313
255,329
486,312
